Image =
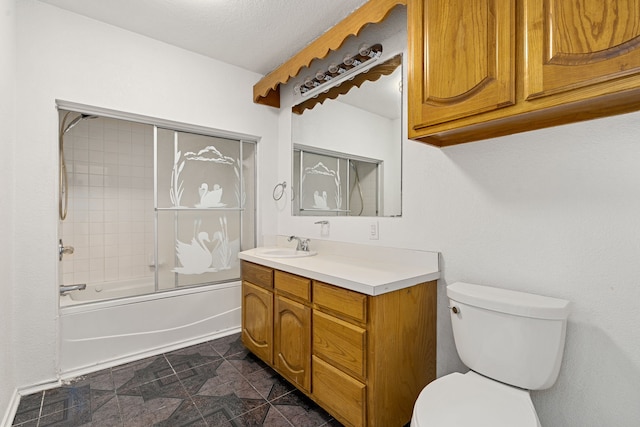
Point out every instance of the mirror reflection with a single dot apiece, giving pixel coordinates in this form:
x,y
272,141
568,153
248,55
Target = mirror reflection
x,y
347,147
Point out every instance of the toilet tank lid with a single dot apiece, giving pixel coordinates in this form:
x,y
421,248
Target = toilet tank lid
x,y
508,301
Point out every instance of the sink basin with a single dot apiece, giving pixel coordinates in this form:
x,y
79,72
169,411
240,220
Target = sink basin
x,y
284,253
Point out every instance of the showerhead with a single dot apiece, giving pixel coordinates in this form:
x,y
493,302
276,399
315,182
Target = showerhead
x,y
78,120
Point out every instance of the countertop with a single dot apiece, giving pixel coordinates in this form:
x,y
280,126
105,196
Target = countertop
x,y
376,271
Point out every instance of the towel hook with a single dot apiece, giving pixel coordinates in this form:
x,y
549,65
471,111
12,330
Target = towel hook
x,y
278,190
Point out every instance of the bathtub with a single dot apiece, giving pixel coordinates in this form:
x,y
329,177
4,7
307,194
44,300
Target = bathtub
x,y
106,333
109,290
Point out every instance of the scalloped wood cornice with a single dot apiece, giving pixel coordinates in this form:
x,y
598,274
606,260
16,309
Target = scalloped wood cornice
x,y
267,90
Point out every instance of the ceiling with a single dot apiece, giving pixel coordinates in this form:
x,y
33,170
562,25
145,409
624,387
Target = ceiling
x,y
257,35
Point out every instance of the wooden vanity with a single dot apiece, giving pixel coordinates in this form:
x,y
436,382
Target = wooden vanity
x,y
363,358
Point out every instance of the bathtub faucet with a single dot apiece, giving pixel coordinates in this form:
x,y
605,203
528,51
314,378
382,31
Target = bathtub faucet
x,y
303,244
69,288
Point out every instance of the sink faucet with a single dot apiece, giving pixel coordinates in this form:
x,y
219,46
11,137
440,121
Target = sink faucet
x,y
303,244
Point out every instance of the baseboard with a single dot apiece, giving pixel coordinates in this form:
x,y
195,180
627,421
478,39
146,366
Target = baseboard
x,y
12,408
67,375
7,420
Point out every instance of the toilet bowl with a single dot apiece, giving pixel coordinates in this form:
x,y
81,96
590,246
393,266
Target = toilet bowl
x,y
473,400
513,342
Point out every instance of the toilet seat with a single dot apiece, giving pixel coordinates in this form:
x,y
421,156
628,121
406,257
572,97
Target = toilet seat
x,y
461,400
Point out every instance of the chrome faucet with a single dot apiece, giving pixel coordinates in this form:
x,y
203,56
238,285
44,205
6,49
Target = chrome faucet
x,y
303,244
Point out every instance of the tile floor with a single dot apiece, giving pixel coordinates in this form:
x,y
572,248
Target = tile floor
x,y
217,383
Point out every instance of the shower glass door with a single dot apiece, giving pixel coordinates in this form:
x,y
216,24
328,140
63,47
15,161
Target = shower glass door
x,y
201,207
151,208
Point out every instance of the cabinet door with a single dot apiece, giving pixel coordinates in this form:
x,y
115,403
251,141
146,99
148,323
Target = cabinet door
x,y
257,321
292,344
580,43
462,59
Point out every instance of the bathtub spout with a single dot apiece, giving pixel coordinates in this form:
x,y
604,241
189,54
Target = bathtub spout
x,y
68,288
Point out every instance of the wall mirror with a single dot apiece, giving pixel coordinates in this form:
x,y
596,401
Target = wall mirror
x,y
347,147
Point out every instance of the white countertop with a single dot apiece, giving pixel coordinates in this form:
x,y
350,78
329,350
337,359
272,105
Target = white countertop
x,y
367,269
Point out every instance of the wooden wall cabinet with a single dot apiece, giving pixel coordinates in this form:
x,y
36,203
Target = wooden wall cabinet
x,y
486,68
363,358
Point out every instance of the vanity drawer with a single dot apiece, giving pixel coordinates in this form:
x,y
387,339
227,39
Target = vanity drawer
x,y
295,286
341,395
340,343
257,274
348,303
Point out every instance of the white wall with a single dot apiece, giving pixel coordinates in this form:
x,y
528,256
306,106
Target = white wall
x,y
554,212
65,56
7,170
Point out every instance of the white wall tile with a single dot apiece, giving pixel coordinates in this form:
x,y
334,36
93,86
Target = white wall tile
x,y
104,211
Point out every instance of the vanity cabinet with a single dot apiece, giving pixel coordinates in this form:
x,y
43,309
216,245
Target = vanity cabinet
x,y
363,358
486,68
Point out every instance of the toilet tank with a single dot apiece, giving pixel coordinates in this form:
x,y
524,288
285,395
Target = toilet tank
x,y
513,337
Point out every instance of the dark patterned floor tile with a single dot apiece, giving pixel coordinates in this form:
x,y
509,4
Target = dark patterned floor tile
x,y
263,416
203,349
219,417
29,408
134,374
240,388
246,363
193,387
73,416
100,398
186,362
165,387
107,415
229,345
193,379
186,414
269,384
136,411
230,405
30,423
101,380
301,411
74,401
212,374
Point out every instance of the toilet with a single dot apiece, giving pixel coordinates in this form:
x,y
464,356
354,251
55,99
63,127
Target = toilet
x,y
512,342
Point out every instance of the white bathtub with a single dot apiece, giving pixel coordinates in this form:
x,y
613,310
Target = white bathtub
x,y
107,333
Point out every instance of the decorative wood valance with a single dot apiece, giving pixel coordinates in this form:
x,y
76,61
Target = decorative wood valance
x,y
267,90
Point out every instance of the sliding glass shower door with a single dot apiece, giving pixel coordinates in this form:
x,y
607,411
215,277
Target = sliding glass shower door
x,y
152,208
203,213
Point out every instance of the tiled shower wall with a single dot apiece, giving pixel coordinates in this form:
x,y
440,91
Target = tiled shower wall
x,y
110,220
